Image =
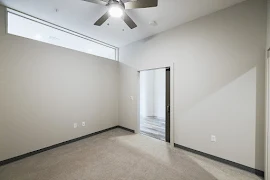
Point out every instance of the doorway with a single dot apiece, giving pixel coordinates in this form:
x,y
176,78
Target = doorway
x,y
155,103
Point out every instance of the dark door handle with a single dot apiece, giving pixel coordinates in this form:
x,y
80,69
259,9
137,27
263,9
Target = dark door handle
x,y
168,108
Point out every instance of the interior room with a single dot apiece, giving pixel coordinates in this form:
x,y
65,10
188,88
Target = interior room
x,y
145,89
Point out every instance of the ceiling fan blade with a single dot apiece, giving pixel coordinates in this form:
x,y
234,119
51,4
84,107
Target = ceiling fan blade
x,y
141,4
129,21
101,2
102,19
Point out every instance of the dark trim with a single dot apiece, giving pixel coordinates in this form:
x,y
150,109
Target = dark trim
x,y
17,158
165,67
231,163
130,130
168,105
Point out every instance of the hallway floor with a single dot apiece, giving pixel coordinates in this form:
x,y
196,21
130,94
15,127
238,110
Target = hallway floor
x,y
153,127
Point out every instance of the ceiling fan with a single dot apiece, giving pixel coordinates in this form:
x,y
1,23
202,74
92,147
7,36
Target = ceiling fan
x,y
117,9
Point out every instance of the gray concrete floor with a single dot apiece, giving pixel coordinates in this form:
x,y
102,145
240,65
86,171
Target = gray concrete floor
x,y
120,155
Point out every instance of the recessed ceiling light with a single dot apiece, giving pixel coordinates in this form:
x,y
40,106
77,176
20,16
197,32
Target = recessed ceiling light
x,y
53,38
38,36
153,23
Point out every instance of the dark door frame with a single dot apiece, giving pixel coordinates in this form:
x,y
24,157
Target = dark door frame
x,y
168,105
171,118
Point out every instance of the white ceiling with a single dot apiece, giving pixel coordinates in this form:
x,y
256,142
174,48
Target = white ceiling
x,y
80,16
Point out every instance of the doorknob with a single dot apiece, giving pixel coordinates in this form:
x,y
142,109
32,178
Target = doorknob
x,y
168,108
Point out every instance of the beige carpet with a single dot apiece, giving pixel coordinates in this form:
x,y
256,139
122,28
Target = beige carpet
x,y
120,155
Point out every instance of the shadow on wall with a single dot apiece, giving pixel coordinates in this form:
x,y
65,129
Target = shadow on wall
x,y
231,108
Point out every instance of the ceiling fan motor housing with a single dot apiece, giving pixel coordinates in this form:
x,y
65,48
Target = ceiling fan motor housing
x,y
115,2
117,9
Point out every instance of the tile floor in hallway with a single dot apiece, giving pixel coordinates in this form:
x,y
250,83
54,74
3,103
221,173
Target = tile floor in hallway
x,y
153,127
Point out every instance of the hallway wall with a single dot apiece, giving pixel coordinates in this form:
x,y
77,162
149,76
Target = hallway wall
x,y
152,93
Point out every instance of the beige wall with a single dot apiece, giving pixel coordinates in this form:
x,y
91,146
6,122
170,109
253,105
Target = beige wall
x,y
219,63
267,170
44,89
128,95
152,93
218,85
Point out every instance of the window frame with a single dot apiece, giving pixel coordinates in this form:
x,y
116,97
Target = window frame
x,y
59,28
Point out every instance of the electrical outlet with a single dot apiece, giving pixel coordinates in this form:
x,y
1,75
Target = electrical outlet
x,y
83,123
132,98
75,125
213,138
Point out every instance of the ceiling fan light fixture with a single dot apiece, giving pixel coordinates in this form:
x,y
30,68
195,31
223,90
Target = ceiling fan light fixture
x,y
116,11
